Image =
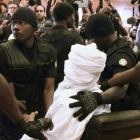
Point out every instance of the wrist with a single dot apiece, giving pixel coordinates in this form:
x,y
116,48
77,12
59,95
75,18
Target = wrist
x,y
105,85
98,98
22,124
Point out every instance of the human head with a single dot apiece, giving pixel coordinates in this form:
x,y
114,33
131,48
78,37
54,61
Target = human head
x,y
24,24
99,27
64,12
85,17
12,7
84,65
133,33
48,25
40,12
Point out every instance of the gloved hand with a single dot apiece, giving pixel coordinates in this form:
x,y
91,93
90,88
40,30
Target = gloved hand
x,y
33,128
88,101
105,85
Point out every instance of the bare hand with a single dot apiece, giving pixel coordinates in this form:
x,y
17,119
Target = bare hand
x,y
30,117
4,24
74,29
37,33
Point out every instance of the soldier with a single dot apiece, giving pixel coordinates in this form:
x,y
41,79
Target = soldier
x,y
60,37
28,64
120,57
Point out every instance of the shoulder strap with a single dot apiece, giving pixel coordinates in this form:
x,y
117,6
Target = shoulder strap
x,y
121,43
54,37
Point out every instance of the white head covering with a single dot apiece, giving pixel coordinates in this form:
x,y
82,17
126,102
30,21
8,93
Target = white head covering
x,y
84,65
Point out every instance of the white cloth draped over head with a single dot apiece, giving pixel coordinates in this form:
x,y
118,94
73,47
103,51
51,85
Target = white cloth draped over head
x,y
82,72
84,65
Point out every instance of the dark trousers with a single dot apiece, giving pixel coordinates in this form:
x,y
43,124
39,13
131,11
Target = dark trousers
x,y
8,130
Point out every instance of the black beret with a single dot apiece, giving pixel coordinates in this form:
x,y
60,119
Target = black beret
x,y
99,25
62,11
26,15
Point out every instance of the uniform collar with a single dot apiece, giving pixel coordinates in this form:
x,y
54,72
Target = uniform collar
x,y
58,27
112,49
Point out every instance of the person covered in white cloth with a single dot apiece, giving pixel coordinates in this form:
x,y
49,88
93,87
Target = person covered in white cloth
x,y
82,72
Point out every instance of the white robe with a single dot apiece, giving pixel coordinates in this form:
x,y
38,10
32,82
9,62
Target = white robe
x,y
81,74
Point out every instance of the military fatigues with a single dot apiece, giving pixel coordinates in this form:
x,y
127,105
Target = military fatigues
x,y
120,57
62,40
26,68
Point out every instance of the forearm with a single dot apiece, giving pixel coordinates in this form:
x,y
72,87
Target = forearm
x,y
48,97
11,109
126,77
76,18
48,13
122,30
98,9
113,94
8,102
111,6
91,10
84,10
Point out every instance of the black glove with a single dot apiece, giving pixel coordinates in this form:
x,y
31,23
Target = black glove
x,y
105,85
33,129
88,101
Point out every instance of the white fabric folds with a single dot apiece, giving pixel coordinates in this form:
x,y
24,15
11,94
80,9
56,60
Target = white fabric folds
x,y
84,65
82,71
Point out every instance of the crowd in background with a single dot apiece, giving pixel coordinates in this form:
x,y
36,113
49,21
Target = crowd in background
x,y
35,44
46,21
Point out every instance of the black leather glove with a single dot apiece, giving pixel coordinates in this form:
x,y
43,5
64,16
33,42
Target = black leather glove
x,y
33,128
88,101
105,85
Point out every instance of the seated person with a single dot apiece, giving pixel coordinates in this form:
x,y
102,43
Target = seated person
x,y
82,72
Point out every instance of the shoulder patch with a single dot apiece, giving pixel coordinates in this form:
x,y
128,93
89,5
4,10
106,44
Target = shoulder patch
x,y
123,62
